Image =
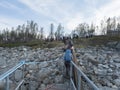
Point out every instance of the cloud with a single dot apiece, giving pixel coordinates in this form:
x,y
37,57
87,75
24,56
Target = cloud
x,y
6,22
72,22
54,9
58,11
40,6
111,9
67,12
8,5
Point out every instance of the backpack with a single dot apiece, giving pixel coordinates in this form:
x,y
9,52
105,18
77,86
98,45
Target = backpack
x,y
68,55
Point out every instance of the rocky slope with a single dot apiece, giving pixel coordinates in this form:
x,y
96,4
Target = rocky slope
x,y
101,65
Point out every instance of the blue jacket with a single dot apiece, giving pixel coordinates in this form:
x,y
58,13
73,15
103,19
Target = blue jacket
x,y
68,55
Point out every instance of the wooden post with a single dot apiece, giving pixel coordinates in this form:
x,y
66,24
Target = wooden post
x,y
75,77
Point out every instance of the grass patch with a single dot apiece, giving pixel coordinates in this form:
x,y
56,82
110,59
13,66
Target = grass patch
x,y
95,41
34,44
78,43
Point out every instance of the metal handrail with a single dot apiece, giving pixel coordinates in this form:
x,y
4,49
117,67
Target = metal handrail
x,y
9,72
84,76
6,74
80,73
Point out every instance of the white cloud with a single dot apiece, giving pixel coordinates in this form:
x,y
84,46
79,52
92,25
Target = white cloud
x,y
72,22
6,22
62,11
45,8
8,5
57,10
109,10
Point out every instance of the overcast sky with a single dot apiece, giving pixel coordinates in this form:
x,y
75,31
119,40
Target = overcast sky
x,y
67,12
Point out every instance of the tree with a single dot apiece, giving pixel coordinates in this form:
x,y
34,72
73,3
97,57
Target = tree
x,y
51,36
118,27
59,32
41,33
114,24
92,30
108,24
82,29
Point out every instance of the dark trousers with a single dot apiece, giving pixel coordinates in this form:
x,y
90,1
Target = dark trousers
x,y
67,65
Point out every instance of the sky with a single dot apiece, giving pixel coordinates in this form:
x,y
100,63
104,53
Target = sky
x,y
69,13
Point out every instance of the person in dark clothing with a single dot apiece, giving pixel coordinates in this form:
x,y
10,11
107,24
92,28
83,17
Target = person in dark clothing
x,y
68,55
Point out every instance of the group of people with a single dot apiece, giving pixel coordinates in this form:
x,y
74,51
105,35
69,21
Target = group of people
x,y
68,49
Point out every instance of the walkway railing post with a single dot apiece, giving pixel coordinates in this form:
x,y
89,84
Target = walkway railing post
x,y
79,81
71,74
7,83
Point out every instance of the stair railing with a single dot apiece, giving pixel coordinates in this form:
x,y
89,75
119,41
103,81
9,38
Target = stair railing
x,y
80,76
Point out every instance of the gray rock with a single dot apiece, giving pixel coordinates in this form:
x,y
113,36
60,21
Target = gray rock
x,y
46,81
2,61
33,67
101,66
109,70
101,72
33,85
23,87
18,75
117,82
59,79
42,87
90,58
43,64
112,44
107,88
44,73
116,60
118,46
117,65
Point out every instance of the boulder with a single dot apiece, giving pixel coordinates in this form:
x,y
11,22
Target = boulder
x,y
112,44
18,75
43,64
116,60
44,73
33,85
33,67
107,88
59,79
117,82
118,46
91,59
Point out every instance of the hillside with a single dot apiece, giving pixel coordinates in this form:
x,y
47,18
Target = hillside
x,y
78,43
96,41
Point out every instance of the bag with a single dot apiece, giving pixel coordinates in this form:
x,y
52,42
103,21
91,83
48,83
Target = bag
x,y
68,55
